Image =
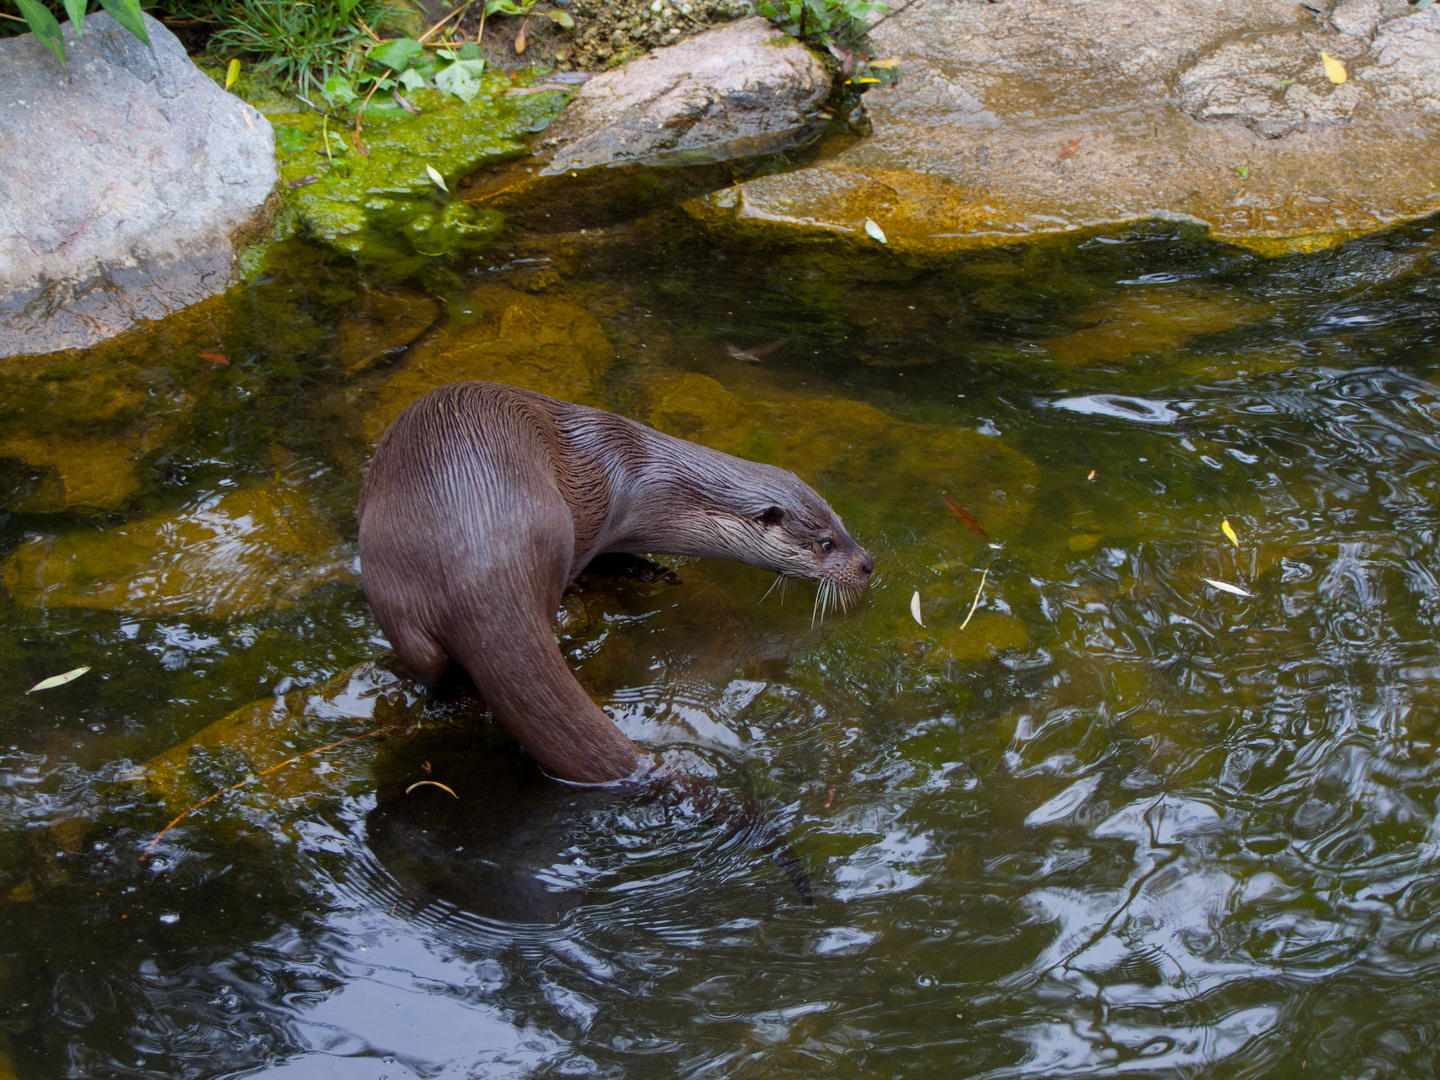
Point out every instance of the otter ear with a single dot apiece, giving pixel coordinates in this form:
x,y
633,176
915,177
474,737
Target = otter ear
x,y
773,516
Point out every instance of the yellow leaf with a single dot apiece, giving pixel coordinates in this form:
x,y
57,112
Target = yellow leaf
x,y
69,676
1229,532
232,73
432,783
1334,69
864,79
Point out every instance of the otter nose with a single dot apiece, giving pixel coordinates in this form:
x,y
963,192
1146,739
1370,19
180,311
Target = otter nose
x,y
866,563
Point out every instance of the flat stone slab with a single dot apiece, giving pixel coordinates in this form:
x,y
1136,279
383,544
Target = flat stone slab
x,y
124,185
1016,120
735,91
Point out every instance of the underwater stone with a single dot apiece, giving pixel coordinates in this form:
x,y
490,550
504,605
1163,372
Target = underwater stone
x,y
251,549
537,342
127,182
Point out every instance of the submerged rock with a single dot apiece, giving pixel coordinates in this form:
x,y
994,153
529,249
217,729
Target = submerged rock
x,y
538,342
127,185
1016,120
251,549
736,91
263,734
847,446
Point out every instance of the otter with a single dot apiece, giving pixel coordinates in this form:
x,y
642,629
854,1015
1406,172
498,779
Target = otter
x,y
484,502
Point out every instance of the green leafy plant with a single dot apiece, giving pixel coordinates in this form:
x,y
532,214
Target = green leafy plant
x,y
46,27
301,43
834,22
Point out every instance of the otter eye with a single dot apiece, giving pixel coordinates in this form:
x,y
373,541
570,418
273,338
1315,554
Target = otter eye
x,y
772,516
827,546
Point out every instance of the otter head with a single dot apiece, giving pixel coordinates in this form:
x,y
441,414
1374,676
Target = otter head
x,y
728,508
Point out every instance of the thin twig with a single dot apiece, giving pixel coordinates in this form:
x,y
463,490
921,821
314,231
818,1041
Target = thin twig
x,y
976,602
887,15
253,779
373,36
454,14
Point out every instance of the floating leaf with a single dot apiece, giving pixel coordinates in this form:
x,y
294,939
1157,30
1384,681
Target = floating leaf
x,y
1334,69
432,783
875,232
221,358
915,608
1243,171
1091,476
1229,532
58,680
232,73
435,176
966,518
1225,586
1070,149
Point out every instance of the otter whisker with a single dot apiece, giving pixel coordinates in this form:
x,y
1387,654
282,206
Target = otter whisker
x,y
816,605
778,579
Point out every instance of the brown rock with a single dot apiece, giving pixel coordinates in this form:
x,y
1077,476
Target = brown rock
x,y
1216,114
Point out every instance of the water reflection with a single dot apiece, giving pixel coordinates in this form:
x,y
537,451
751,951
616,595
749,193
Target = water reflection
x,y
1117,822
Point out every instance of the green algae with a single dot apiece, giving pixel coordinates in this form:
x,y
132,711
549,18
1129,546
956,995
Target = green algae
x,y
373,197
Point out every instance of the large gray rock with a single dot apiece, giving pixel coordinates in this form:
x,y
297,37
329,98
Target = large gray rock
x,y
1024,118
735,91
125,185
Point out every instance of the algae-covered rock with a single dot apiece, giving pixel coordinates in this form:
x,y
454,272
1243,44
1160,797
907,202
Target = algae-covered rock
x,y
375,694
1150,320
250,549
847,445
1014,121
374,198
381,322
75,425
538,342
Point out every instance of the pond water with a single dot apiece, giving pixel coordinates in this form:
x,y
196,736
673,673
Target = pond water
x,y
1120,820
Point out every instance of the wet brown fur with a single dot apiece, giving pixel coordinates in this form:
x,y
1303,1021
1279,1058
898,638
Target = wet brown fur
x,y
485,501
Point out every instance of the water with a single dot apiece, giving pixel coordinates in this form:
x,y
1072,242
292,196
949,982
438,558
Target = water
x,y
1122,821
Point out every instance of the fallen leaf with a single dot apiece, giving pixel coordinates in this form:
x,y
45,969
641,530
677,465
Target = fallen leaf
x,y
1091,476
432,783
966,518
754,355
232,73
520,38
1069,150
887,64
303,181
561,17
915,608
1229,532
1225,586
399,100
431,172
875,231
215,358
1334,69
61,680
865,79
